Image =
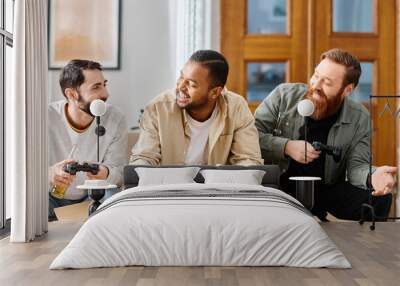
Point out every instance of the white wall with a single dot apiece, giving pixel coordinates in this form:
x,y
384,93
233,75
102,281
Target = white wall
x,y
148,37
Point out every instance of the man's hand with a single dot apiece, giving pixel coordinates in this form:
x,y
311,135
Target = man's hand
x,y
101,175
383,180
58,177
295,149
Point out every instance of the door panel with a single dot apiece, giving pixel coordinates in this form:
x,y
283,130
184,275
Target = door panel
x,y
241,48
378,47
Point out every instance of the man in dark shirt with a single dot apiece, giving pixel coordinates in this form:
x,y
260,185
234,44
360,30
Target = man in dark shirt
x,y
337,121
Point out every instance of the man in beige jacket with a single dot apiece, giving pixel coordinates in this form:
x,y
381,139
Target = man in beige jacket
x,y
199,122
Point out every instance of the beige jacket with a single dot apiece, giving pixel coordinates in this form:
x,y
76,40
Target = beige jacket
x,y
164,133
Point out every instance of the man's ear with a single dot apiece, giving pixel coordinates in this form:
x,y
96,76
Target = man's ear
x,y
216,92
71,94
348,89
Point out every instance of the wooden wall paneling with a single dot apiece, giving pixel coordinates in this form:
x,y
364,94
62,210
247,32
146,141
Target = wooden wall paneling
x,y
299,22
386,154
322,28
398,93
386,71
232,33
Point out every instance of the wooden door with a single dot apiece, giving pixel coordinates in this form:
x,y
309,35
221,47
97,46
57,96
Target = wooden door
x,y
242,48
378,49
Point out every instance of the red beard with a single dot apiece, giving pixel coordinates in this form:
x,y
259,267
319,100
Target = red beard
x,y
324,106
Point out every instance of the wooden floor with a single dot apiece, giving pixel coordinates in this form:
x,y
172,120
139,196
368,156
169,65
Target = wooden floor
x,y
374,255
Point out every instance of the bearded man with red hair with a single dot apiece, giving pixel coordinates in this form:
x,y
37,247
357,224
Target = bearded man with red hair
x,y
337,121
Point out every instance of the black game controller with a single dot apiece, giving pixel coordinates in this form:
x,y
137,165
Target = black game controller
x,y
335,152
74,167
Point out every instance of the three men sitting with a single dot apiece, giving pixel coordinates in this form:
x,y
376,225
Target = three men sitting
x,y
200,122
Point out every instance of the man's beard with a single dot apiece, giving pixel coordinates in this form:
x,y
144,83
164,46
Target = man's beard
x,y
324,106
193,105
84,105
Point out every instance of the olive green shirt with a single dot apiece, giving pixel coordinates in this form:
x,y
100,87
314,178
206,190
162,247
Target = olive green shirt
x,y
278,121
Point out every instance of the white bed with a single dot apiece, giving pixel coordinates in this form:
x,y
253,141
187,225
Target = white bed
x,y
203,225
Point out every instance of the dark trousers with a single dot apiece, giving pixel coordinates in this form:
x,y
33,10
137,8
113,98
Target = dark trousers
x,y
344,201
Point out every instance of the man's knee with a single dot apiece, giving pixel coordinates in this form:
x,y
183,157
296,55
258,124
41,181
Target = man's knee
x,y
382,205
51,214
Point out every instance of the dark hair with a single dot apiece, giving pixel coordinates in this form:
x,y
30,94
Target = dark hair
x,y
216,64
72,76
353,67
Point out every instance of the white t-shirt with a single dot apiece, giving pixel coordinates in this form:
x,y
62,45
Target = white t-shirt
x,y
197,152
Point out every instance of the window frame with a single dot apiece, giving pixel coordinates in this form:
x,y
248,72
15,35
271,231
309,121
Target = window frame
x,y
6,39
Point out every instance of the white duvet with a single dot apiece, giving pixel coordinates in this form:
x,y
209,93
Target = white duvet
x,y
226,225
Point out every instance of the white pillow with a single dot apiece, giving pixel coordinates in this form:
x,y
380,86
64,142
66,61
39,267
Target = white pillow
x,y
164,176
248,177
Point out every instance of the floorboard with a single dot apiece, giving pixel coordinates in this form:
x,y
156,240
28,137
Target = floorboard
x,y
374,255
